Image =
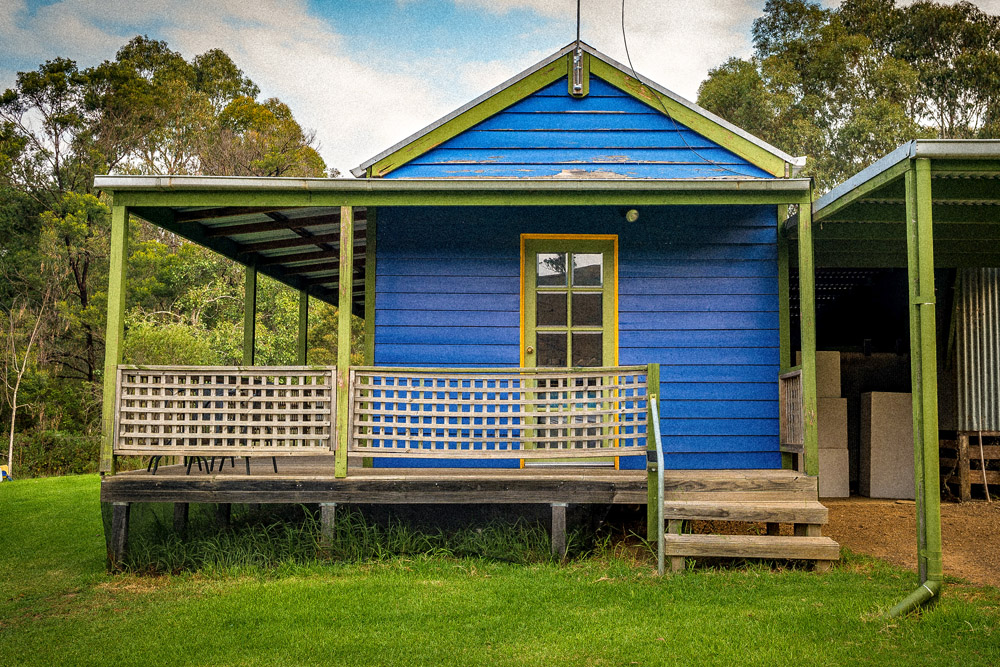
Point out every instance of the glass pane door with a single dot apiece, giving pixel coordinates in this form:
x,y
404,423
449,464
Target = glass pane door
x,y
569,288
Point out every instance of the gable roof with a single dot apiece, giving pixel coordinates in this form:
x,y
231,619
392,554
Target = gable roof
x,y
604,72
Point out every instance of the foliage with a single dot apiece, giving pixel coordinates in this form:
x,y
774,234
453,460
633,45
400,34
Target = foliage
x,y
149,110
844,86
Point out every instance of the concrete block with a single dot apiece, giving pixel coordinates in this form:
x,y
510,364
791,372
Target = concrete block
x,y
834,473
827,373
885,465
832,423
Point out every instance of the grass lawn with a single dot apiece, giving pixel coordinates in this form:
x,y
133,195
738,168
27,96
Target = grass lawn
x,y
58,606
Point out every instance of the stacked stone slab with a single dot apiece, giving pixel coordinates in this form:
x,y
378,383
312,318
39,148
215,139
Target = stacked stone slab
x,y
834,471
886,460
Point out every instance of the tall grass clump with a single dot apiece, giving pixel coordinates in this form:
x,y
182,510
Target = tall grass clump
x,y
267,541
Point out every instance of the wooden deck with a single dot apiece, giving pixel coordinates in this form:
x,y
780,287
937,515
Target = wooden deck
x,y
311,480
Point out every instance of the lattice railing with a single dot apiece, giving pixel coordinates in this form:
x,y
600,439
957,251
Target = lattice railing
x,y
229,411
498,413
791,426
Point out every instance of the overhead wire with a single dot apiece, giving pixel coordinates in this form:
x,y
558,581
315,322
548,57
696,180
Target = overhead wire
x,y
678,127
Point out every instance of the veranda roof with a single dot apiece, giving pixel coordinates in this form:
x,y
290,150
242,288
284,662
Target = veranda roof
x,y
289,228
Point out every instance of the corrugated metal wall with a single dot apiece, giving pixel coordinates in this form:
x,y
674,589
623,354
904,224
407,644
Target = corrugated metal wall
x,y
978,338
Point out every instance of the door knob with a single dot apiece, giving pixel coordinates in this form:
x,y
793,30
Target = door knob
x,y
529,350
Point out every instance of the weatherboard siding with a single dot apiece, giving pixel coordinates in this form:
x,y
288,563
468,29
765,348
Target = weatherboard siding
x,y
698,294
607,134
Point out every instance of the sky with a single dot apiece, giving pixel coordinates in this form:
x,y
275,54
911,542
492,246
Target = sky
x,y
365,74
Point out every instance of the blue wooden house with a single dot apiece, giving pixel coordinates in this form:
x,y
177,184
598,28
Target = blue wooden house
x,y
574,291
692,287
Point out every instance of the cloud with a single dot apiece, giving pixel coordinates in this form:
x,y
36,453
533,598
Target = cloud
x,y
356,110
674,43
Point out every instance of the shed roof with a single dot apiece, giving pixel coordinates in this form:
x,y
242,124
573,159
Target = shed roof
x,y
862,221
559,67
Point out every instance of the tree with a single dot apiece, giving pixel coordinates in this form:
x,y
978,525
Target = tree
x,y
17,357
261,139
845,86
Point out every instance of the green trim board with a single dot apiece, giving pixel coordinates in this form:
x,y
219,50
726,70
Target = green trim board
x,y
115,331
484,192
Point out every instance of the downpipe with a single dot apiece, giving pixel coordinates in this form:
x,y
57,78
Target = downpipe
x,y
926,592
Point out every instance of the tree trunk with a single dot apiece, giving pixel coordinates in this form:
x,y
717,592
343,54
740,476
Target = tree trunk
x,y
13,421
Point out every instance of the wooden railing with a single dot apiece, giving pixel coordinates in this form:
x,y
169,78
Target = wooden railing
x,y
224,411
791,426
498,413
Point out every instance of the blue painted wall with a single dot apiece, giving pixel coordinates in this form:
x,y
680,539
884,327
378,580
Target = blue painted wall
x,y
697,294
550,134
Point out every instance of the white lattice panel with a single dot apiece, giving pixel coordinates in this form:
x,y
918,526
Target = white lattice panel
x,y
230,411
499,414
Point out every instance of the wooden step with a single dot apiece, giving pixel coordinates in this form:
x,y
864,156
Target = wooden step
x,y
752,546
739,485
789,511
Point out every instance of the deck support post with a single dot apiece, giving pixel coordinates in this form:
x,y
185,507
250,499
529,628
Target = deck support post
x,y
807,325
302,343
114,332
346,294
674,527
327,516
559,530
119,533
923,371
181,513
964,479
223,515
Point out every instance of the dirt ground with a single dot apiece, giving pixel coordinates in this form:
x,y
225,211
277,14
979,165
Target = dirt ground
x,y
887,529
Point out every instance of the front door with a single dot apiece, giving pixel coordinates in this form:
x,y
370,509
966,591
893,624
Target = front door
x,y
570,299
569,320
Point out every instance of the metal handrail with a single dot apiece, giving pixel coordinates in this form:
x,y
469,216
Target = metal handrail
x,y
660,546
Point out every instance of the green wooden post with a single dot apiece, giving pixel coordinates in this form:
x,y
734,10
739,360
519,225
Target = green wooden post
x,y
784,306
346,287
807,326
302,344
923,368
371,224
250,316
784,312
114,333
370,227
652,496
